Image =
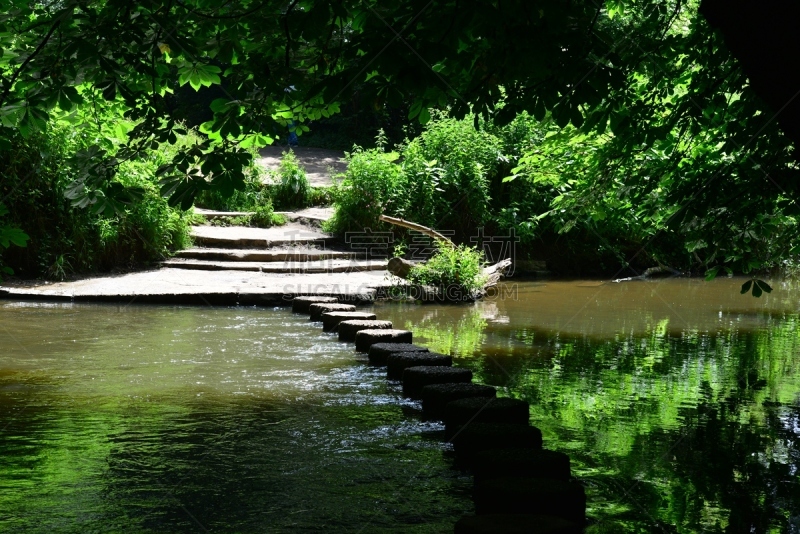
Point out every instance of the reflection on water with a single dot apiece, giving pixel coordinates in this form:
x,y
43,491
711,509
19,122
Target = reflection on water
x,y
677,400
159,419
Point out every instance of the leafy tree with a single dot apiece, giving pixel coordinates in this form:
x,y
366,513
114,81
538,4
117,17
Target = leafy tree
x,y
683,123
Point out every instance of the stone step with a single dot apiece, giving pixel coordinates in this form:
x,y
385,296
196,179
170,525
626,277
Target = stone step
x,y
258,255
314,215
296,267
214,214
309,215
293,234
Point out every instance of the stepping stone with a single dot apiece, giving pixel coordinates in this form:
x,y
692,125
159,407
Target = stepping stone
x,y
416,378
530,463
317,309
302,304
473,438
348,329
531,496
330,320
366,338
379,352
436,396
515,524
400,361
482,410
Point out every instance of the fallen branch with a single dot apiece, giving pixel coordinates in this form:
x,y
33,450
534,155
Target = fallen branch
x,y
433,234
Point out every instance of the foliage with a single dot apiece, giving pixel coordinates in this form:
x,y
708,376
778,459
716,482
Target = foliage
x,y
64,239
357,124
454,271
320,196
674,146
368,187
680,167
292,189
577,62
139,55
9,235
255,193
289,189
264,217
446,173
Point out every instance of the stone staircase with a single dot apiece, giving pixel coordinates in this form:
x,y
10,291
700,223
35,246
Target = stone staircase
x,y
298,247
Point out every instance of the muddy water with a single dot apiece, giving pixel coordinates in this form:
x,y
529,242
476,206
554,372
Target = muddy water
x,y
677,400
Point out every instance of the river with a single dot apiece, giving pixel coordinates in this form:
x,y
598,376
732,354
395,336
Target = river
x,y
676,399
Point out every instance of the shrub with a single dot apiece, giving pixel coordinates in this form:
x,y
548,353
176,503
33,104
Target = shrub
x,y
321,196
370,183
65,239
264,217
292,189
255,193
447,172
455,272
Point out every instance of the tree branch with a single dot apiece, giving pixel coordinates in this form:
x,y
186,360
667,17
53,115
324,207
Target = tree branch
x,y
24,64
286,29
418,227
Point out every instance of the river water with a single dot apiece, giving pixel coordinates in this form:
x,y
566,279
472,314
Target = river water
x,y
678,401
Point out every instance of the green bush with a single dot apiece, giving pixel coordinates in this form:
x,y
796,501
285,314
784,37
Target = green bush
x,y
446,175
454,271
292,189
255,194
321,196
66,240
369,186
264,217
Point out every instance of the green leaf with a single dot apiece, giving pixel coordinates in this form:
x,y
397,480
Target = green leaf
x,y
756,290
424,116
712,273
746,287
561,115
576,117
15,236
195,80
764,286
255,141
539,110
414,110
219,105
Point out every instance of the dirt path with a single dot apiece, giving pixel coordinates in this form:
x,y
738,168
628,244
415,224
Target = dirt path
x,y
317,162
